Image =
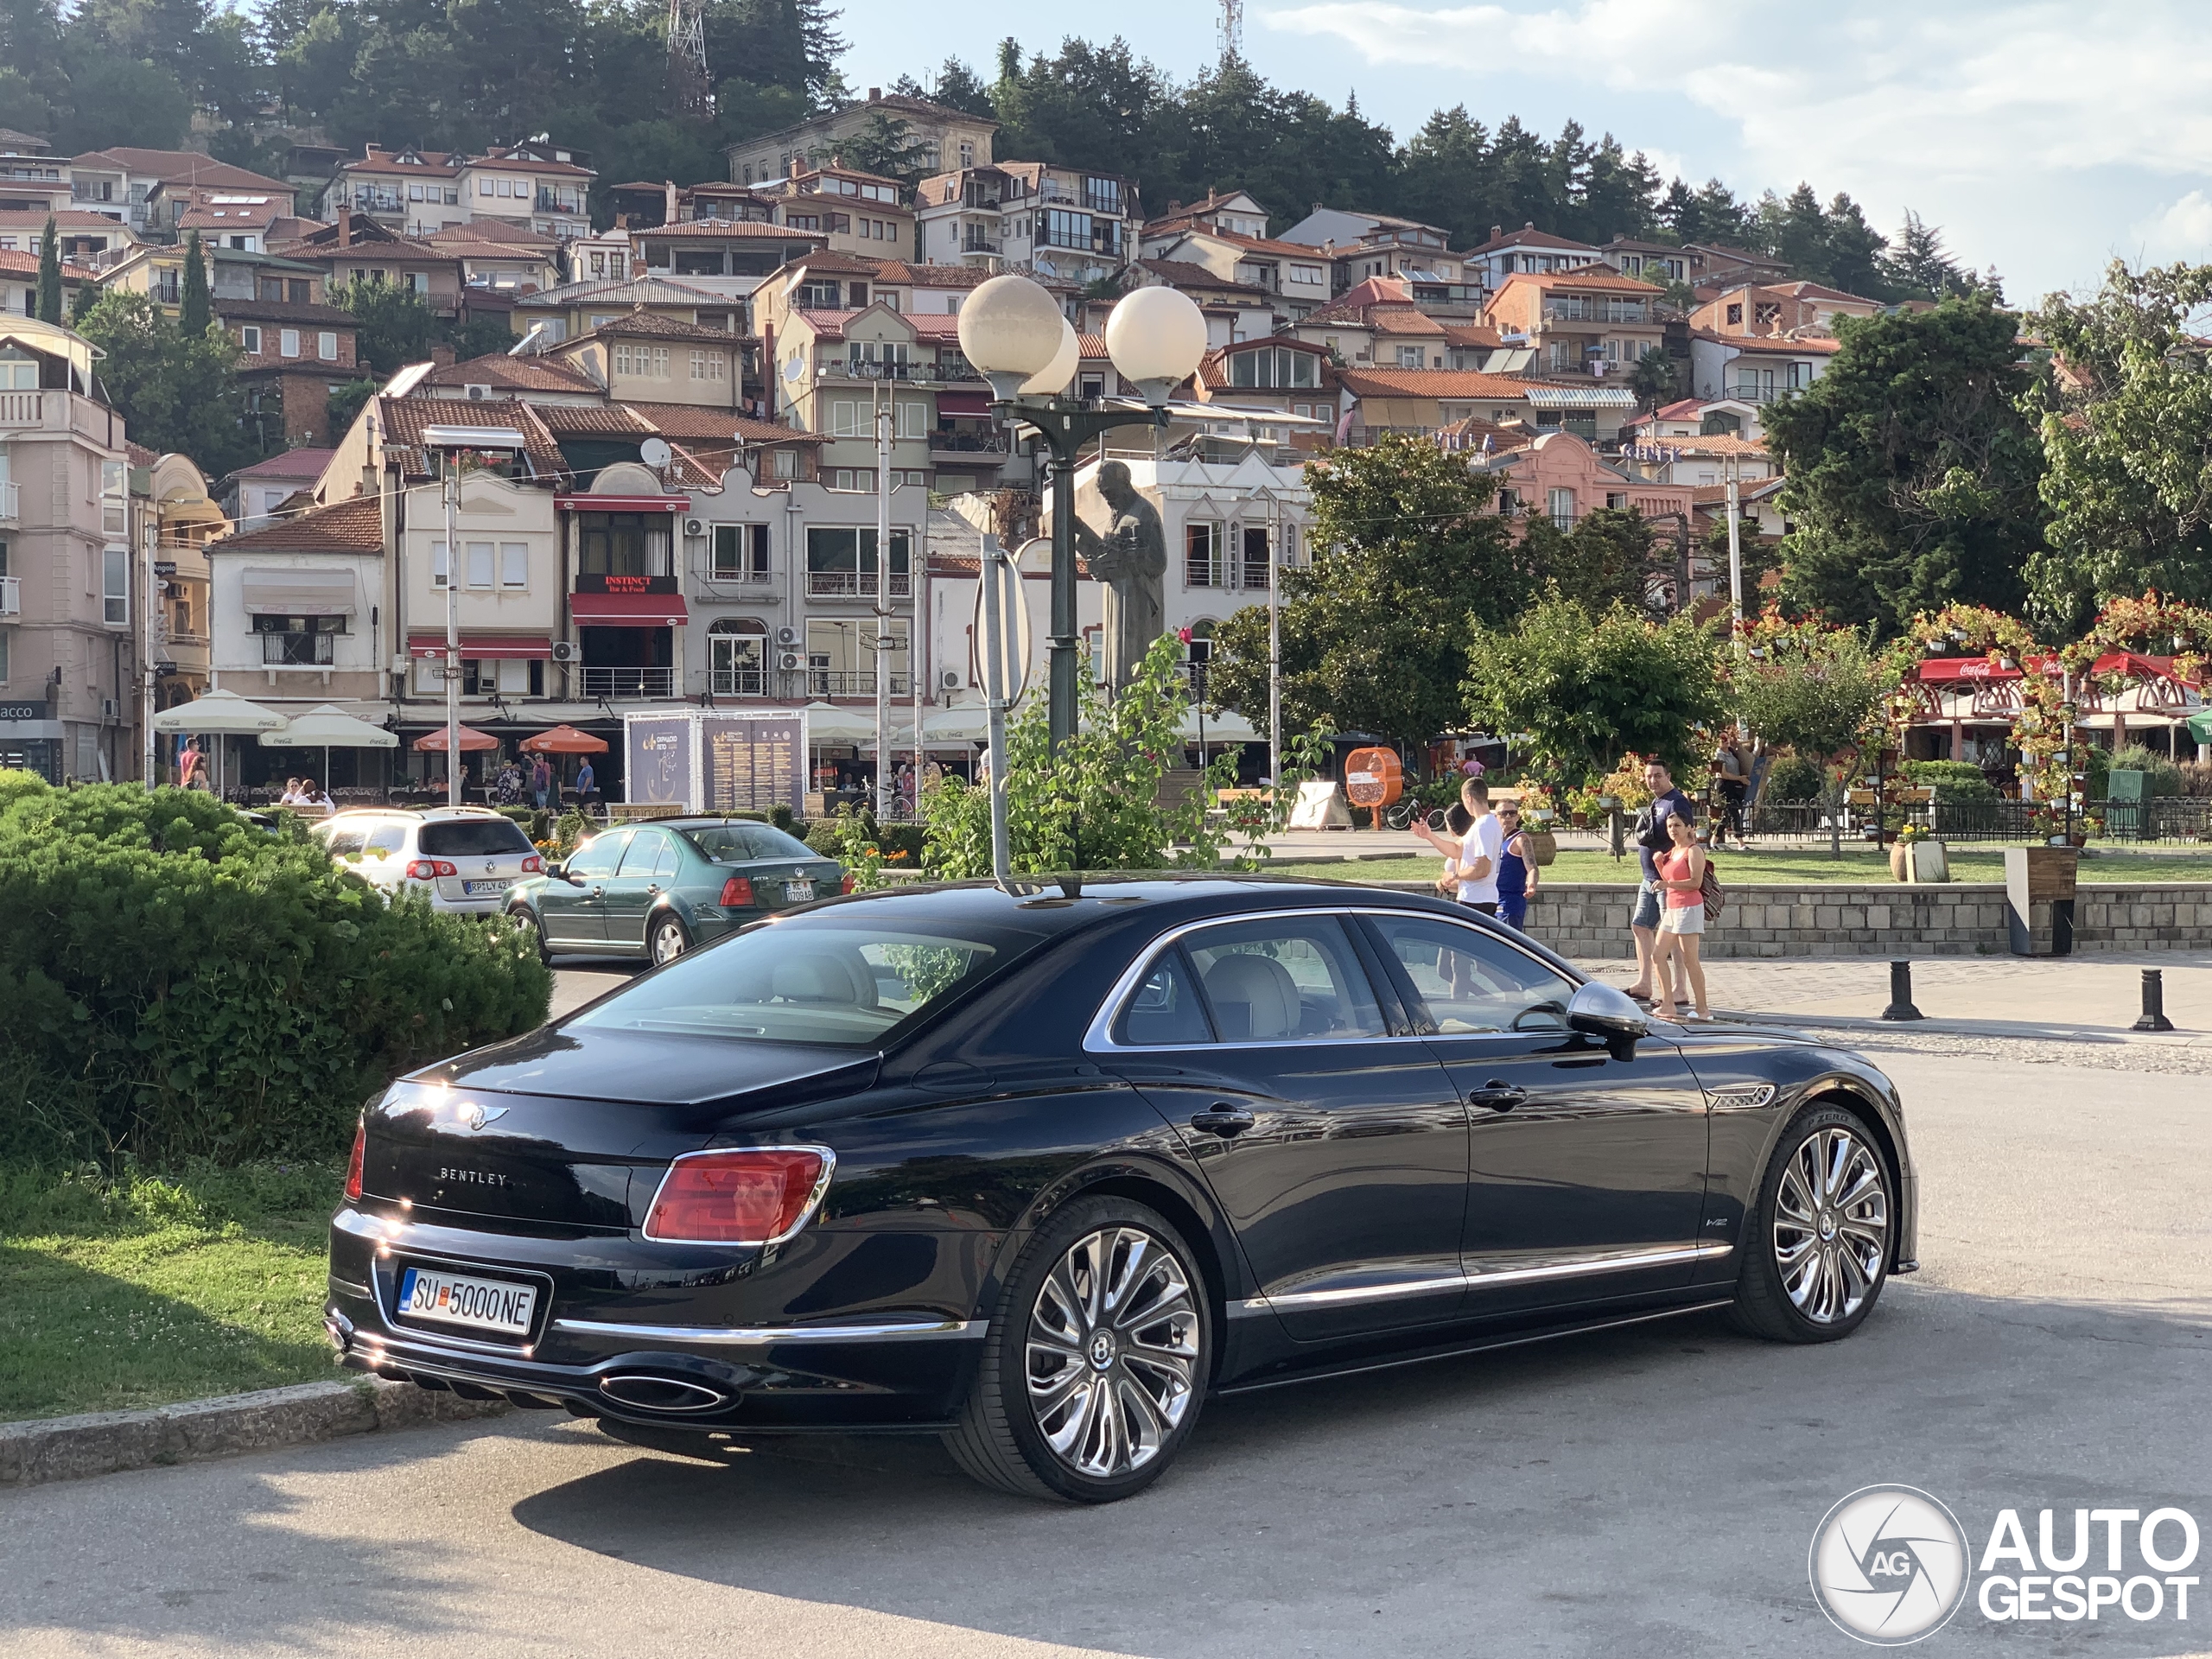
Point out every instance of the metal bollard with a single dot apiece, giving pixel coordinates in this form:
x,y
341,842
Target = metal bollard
x,y
1901,994
2154,1002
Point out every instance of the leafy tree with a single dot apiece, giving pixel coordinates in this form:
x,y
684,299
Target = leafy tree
x,y
956,84
175,391
192,306
1917,266
886,145
1818,690
2128,437
1913,472
395,325
1653,379
1589,689
1600,563
1373,630
49,274
346,402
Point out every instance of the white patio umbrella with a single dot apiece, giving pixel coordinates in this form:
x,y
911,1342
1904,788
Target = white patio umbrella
x,y
327,727
219,714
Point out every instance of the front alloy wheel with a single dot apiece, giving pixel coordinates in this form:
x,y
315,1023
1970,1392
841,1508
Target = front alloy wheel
x,y
1821,1235
1095,1369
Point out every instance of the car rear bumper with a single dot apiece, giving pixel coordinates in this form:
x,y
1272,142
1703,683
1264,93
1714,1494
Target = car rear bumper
x,y
886,1371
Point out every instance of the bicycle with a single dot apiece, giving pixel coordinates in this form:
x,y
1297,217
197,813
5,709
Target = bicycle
x,y
1400,814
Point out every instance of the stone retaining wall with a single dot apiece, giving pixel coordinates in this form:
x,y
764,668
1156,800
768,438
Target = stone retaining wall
x,y
1960,919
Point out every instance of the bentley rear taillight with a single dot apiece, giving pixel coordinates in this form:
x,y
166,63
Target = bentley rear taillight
x,y
354,1164
758,1195
737,893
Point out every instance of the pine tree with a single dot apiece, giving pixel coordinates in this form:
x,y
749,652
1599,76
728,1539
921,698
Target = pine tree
x,y
49,274
192,316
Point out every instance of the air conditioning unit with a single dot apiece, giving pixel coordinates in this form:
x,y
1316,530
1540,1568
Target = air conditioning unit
x,y
478,394
791,660
787,637
694,527
952,679
111,709
564,650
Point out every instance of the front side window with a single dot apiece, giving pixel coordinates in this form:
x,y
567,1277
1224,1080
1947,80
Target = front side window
x,y
835,979
600,856
1470,983
1288,978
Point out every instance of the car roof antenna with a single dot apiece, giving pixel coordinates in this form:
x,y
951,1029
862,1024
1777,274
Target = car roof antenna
x,y
1070,886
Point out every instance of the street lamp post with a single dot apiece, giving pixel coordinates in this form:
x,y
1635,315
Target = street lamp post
x,y
1011,330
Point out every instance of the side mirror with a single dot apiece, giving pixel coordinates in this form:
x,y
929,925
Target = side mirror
x,y
1599,1010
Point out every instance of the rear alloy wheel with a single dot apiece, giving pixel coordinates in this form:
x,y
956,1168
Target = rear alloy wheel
x,y
667,940
1095,1369
1820,1239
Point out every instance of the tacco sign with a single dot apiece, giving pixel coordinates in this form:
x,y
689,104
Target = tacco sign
x,y
2145,1557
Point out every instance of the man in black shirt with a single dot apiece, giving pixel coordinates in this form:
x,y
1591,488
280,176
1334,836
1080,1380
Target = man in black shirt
x,y
1651,839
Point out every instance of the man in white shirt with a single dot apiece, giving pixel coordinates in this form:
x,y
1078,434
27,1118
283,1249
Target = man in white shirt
x,y
1473,857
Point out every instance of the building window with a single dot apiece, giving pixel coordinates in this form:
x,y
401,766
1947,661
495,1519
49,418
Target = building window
x,y
736,656
1409,357
848,419
438,565
913,420
1278,367
480,564
514,564
250,339
709,366
1254,574
115,584
326,345
741,553
1562,508
841,562
785,464
1203,565
288,342
298,641
625,544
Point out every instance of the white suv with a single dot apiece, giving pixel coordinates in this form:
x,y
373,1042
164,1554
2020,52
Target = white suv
x,y
463,858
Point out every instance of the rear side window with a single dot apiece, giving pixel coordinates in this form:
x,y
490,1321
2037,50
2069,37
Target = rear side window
x,y
347,840
388,838
473,838
1165,1008
651,854
1287,978
1470,983
740,843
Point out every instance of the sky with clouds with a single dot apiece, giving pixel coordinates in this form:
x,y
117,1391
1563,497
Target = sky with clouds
x,y
2043,138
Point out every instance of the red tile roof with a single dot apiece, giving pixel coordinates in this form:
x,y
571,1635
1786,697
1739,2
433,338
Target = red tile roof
x,y
642,324
1811,345
26,264
505,373
904,275
181,167
403,419
1597,276
1432,383
736,230
1529,237
353,526
1185,273
293,463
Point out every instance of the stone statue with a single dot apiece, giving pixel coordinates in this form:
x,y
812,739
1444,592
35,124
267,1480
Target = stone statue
x,y
1131,559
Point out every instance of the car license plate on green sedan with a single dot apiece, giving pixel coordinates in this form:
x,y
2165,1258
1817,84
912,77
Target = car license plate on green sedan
x,y
799,893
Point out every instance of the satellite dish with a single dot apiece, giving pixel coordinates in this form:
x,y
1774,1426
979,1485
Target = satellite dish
x,y
792,370
655,452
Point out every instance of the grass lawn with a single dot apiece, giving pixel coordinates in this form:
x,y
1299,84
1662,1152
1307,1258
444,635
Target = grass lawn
x,y
1780,868
144,1291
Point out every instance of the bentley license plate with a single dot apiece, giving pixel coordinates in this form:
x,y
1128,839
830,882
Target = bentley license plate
x,y
497,1305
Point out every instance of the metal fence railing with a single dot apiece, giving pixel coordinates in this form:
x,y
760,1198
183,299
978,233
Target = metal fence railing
x,y
2171,820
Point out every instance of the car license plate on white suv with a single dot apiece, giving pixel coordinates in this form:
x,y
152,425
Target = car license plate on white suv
x,y
473,888
497,1305
799,893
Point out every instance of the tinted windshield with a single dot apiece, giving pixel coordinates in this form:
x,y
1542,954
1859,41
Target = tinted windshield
x,y
737,843
473,838
845,977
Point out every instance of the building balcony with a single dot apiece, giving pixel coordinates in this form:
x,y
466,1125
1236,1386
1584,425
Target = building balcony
x,y
629,682
10,502
853,683
11,595
851,584
955,444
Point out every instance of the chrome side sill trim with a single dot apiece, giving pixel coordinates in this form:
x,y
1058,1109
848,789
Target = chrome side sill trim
x,y
1464,1281
763,1336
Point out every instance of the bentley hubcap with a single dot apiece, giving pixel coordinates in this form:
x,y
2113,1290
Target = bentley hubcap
x,y
1113,1352
1832,1225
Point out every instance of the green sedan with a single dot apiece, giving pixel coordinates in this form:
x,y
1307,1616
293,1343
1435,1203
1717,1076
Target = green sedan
x,y
655,889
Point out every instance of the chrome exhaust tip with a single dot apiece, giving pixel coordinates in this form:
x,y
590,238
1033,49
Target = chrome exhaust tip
x,y
338,1329
641,1392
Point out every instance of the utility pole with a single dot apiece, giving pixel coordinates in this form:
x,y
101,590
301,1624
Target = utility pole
x,y
1275,648
150,534
883,412
453,629
995,690
1732,468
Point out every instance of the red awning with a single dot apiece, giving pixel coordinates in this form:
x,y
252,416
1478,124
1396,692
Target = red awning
x,y
628,610
1939,669
963,403
483,647
623,503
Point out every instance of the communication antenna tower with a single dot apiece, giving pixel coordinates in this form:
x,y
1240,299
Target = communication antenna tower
x,y
1232,30
687,59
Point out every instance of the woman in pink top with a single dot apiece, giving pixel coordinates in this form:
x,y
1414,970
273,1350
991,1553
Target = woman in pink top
x,y
1681,924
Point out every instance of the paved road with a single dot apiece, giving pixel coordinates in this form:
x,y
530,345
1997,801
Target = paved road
x,y
1646,1494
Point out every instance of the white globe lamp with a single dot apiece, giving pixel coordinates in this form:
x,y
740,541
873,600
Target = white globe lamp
x,y
1010,329
1155,336
1052,379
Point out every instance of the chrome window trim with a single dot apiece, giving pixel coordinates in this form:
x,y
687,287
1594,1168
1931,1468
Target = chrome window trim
x,y
813,1199
764,1335
1098,1038
1466,1281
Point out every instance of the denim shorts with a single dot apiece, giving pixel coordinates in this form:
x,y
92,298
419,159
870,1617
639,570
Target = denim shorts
x,y
1646,913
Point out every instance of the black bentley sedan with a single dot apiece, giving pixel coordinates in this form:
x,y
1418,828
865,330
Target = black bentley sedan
x,y
1041,1169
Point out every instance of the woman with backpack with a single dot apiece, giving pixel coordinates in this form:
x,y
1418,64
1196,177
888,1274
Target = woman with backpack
x,y
1681,922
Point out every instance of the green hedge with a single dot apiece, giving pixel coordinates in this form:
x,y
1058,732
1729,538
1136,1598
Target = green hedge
x,y
1954,781
908,838
1793,779
180,984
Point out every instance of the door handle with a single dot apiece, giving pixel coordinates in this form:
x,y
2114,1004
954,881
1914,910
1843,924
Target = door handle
x,y
1498,1095
1225,1119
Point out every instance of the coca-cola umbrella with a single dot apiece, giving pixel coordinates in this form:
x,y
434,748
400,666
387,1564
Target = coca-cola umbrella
x,y
563,739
